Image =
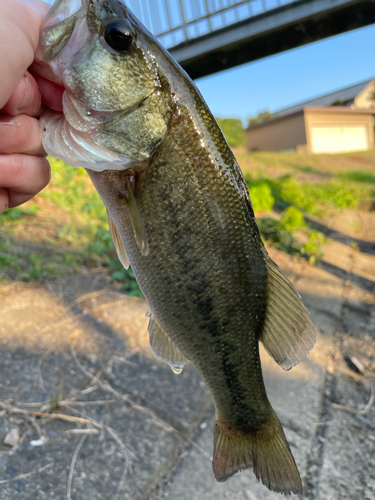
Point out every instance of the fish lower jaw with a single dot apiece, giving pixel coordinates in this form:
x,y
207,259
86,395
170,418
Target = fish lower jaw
x,y
77,148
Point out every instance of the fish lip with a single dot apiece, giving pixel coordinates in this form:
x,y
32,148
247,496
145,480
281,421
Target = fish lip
x,y
51,90
43,69
61,10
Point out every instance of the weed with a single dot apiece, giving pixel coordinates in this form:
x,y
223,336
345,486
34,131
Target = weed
x,y
87,226
295,199
66,226
261,196
282,235
125,276
312,248
358,176
18,212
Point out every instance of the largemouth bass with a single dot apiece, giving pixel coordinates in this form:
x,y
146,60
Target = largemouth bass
x,y
179,212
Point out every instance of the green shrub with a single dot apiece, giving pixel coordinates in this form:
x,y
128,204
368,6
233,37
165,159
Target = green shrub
x,y
281,234
292,219
261,196
312,247
312,198
233,131
294,199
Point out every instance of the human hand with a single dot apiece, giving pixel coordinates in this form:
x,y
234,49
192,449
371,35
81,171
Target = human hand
x,y
24,171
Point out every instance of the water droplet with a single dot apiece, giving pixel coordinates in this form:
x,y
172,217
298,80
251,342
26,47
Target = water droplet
x,y
176,370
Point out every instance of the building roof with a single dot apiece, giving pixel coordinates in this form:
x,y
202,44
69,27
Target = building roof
x,y
346,95
319,109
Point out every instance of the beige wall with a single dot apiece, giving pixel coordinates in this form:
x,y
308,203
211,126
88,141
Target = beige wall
x,y
363,101
319,118
283,133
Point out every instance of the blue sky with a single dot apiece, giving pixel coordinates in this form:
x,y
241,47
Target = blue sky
x,y
291,77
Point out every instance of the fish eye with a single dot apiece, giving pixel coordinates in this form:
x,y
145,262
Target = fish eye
x,y
118,35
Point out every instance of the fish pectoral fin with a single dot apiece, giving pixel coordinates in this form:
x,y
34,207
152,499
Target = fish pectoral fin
x,y
265,449
288,332
136,219
121,253
163,347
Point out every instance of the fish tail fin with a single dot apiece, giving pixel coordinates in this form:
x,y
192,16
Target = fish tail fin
x,y
265,450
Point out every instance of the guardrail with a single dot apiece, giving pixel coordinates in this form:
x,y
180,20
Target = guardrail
x,y
206,36
177,21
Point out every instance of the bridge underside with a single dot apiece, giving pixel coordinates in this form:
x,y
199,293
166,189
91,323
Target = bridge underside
x,y
275,31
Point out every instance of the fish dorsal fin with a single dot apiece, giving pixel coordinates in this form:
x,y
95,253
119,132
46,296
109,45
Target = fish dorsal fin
x,y
163,347
122,255
136,219
288,331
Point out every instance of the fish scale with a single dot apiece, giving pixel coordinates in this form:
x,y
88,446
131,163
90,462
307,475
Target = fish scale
x,y
180,214
206,262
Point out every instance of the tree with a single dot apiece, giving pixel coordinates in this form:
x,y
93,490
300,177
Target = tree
x,y
233,131
261,117
372,95
338,102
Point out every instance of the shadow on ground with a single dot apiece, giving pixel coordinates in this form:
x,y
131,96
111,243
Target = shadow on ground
x,y
125,427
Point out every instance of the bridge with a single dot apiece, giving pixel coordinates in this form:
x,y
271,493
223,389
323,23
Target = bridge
x,y
207,36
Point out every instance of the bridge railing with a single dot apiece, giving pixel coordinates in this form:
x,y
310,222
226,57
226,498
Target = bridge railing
x,y
176,21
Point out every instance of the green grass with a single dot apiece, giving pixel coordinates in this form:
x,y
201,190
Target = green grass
x,y
358,176
73,222
65,227
18,212
316,199
293,199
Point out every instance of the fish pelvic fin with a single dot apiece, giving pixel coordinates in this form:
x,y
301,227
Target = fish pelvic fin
x,y
163,347
288,331
266,450
121,252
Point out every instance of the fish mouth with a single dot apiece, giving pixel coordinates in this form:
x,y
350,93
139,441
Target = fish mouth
x,y
72,127
51,92
69,134
61,10
66,134
49,80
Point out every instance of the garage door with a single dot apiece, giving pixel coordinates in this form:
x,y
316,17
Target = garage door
x,y
335,139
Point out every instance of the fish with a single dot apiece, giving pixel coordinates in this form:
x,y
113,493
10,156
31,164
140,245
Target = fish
x,y
180,214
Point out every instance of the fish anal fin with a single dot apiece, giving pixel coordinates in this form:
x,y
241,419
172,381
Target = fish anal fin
x,y
121,253
288,331
163,347
266,450
136,219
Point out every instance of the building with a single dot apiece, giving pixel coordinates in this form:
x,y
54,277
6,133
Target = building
x,y
338,122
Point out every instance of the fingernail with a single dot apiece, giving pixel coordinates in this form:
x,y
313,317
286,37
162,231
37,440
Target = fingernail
x,y
48,172
28,94
8,120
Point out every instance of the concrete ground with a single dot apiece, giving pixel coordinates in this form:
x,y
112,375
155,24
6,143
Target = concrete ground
x,y
124,426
